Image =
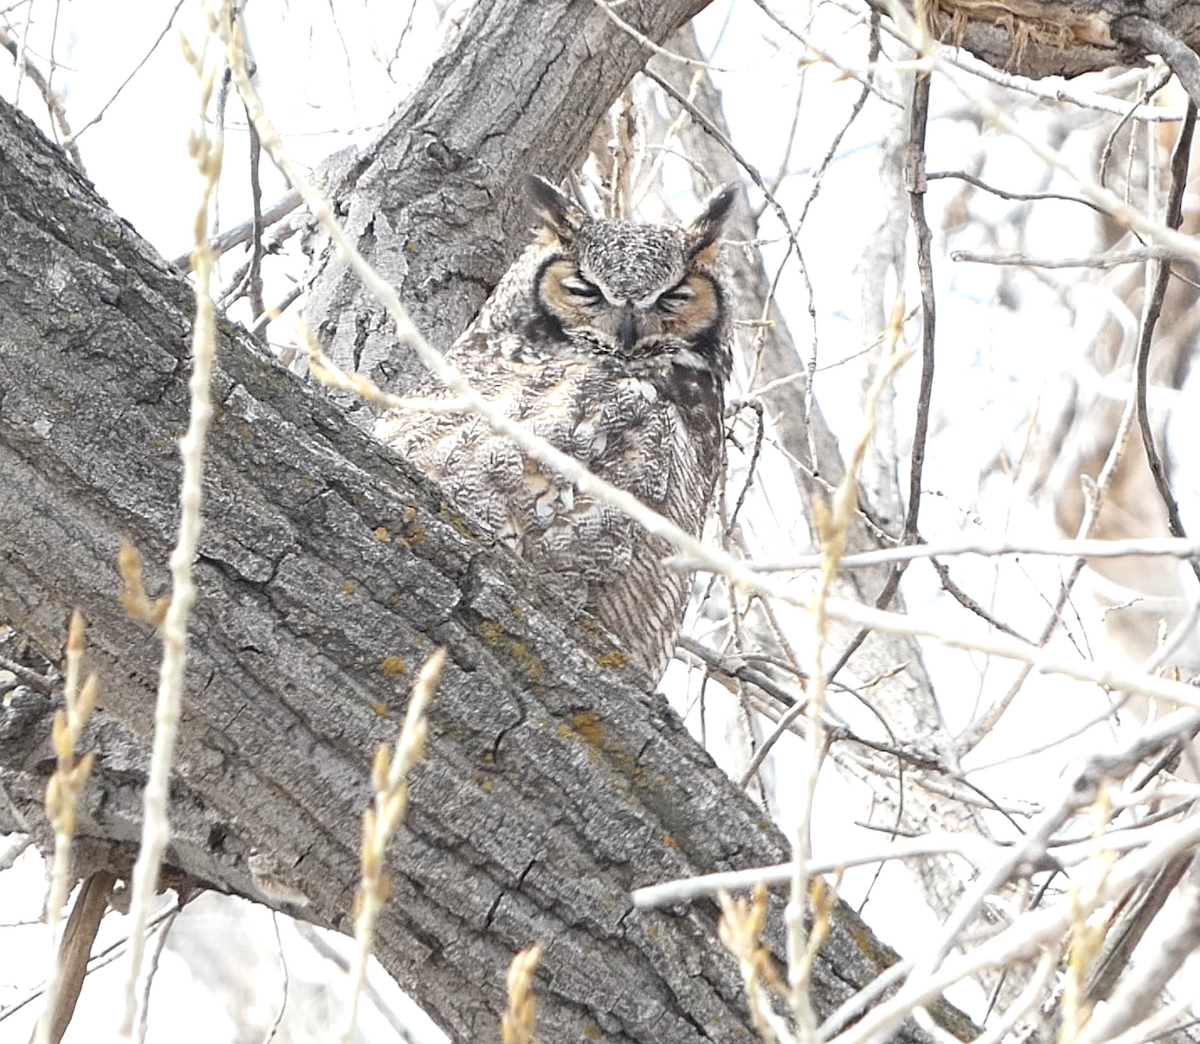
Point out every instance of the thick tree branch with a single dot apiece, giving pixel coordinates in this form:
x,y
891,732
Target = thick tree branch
x,y
1039,38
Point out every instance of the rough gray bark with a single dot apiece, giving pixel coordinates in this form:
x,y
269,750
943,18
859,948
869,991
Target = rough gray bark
x,y
436,203
1059,37
553,782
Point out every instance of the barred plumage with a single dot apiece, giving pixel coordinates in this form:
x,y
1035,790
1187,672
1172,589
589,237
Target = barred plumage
x,y
612,341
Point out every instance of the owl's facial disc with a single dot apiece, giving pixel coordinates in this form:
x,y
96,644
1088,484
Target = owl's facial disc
x,y
681,310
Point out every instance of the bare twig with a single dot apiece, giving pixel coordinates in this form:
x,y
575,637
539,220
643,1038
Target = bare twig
x,y
90,907
16,847
155,827
325,949
1156,79
649,44
254,283
284,985
72,138
389,780
800,946
1134,547
1020,197
64,974
239,234
160,943
865,78
969,603
43,683
277,309
1109,260
1161,275
915,176
52,101
517,1024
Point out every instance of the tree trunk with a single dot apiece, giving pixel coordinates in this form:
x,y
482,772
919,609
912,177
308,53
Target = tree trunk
x,y
553,783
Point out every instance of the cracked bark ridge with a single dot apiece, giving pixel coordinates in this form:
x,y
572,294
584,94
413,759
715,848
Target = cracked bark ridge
x,y
553,783
436,203
1039,38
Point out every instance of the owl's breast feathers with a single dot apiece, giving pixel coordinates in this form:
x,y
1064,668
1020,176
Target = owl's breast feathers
x,y
649,427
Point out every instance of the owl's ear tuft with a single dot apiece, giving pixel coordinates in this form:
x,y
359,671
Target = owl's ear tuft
x,y
703,232
558,215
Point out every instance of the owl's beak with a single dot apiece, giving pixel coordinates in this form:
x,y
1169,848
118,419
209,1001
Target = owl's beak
x,y
627,329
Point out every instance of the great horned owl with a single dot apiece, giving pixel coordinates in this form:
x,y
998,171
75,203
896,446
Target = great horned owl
x,y
610,340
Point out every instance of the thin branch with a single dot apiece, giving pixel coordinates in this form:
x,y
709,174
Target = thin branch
x,y
866,79
155,826
1134,547
327,950
979,851
90,907
284,986
649,44
43,683
1123,936
1161,276
969,603
277,309
1042,977
226,241
1050,744
851,1009
72,138
160,942
52,101
915,176
15,849
1021,197
1156,80
733,667
819,172
254,284
687,889
1109,260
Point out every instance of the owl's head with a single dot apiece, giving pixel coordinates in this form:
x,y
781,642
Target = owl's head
x,y
634,289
